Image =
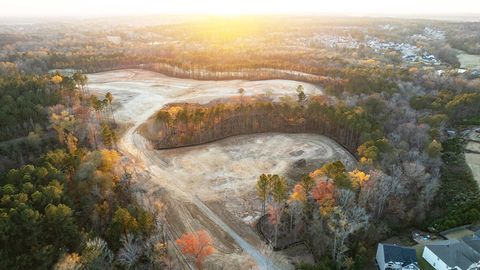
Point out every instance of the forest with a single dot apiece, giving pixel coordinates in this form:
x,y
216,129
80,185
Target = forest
x,y
67,195
191,124
396,134
69,205
397,137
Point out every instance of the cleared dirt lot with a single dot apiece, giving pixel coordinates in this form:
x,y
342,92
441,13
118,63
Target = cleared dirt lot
x,y
210,186
139,93
227,170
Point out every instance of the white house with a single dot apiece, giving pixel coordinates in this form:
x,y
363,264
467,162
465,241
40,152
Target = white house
x,y
453,254
393,257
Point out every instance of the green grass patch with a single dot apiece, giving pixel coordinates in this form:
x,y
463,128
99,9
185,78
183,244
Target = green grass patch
x,y
424,265
468,60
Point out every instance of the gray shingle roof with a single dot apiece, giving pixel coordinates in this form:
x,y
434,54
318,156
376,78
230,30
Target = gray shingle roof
x,y
457,253
404,255
474,244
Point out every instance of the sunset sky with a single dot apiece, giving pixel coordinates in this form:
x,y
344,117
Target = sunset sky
x,y
219,7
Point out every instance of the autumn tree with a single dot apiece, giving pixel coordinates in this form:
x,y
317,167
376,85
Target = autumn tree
x,y
71,143
324,194
297,198
358,178
368,152
335,171
124,222
307,183
81,80
109,99
279,193
263,189
434,149
197,245
298,193
57,79
109,158
109,135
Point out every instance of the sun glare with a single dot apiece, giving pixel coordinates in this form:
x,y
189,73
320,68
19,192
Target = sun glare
x,y
227,8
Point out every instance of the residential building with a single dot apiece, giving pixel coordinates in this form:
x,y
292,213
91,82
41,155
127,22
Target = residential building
x,y
394,257
454,254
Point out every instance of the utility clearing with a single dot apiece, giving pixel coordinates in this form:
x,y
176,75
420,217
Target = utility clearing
x,y
211,186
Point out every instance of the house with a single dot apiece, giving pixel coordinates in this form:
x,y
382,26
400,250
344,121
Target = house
x,y
393,257
453,254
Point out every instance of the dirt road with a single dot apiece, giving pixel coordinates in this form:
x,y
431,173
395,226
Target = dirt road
x,y
223,171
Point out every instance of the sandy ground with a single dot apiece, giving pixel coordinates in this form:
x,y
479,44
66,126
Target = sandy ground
x,y
227,170
138,91
199,180
473,159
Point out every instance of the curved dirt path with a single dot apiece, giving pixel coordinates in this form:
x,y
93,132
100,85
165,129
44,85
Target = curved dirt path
x,y
135,145
262,261
139,94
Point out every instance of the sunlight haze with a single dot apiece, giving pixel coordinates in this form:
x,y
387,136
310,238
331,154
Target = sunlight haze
x,y
88,8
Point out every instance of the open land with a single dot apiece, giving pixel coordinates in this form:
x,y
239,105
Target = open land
x,y
211,186
468,60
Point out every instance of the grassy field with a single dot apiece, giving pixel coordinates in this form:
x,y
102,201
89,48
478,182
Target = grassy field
x,y
468,60
459,234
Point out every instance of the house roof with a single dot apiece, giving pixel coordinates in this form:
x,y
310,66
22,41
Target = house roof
x,y
474,244
457,253
398,254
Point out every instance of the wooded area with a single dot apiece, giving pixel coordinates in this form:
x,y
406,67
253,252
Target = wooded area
x,y
190,124
68,205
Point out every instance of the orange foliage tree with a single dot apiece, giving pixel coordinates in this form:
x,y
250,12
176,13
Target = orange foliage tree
x,y
298,194
197,245
324,194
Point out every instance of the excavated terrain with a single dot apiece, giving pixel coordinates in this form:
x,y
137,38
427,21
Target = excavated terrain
x,y
211,186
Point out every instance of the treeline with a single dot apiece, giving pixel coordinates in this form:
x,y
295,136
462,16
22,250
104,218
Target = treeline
x,y
183,68
457,107
235,73
189,124
464,37
458,200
